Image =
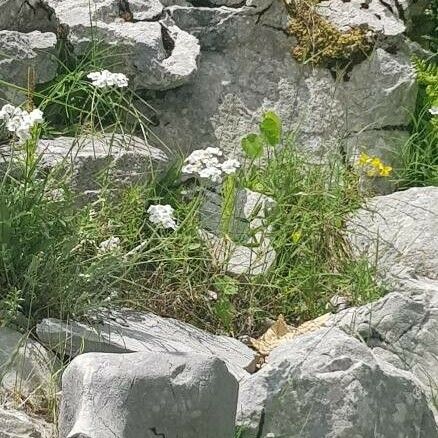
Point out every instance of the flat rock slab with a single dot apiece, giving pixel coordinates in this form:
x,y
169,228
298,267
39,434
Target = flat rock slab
x,y
147,395
399,232
129,331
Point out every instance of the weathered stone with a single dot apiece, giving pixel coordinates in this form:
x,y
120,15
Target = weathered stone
x,y
129,331
249,214
376,16
399,233
239,79
27,16
128,158
147,395
328,384
250,252
154,54
388,96
17,424
400,329
27,369
23,58
239,259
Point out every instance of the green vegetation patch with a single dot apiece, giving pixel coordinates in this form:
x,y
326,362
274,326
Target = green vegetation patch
x,y
319,42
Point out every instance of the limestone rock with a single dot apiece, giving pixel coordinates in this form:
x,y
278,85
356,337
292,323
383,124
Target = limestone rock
x,y
401,328
390,83
27,369
128,331
17,424
239,78
24,56
399,232
128,158
147,395
240,259
376,16
27,16
328,384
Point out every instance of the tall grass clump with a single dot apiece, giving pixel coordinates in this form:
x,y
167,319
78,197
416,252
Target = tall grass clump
x,y
419,156
139,244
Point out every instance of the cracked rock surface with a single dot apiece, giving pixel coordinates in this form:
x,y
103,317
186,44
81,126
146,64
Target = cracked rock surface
x,y
24,54
329,384
399,232
147,395
153,53
246,68
129,331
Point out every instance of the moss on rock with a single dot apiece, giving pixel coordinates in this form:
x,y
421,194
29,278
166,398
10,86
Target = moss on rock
x,y
320,42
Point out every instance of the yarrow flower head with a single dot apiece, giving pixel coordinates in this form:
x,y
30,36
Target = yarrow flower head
x,y
373,166
109,245
20,122
104,79
162,216
206,164
434,110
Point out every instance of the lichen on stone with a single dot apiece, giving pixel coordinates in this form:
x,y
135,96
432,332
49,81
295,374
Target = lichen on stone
x,y
320,42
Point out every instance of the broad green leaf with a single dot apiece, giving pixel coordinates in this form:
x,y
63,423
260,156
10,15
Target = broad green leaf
x,y
270,127
252,145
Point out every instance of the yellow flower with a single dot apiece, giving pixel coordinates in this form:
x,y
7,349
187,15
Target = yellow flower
x,y
386,171
363,159
373,166
296,236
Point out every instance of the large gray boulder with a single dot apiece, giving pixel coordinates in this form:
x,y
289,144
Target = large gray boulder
x,y
153,52
18,424
399,232
23,58
145,395
401,328
328,384
246,68
128,331
27,369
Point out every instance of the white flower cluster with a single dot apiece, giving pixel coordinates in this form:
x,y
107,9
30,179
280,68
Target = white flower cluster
x,y
109,245
19,121
163,216
205,164
434,110
104,78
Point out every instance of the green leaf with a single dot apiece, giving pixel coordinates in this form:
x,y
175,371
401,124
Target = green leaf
x,y
252,145
270,127
226,285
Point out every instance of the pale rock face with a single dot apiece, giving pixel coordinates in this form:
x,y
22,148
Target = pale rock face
x,y
401,329
128,158
147,395
128,331
18,424
401,230
328,384
27,369
251,252
377,16
21,54
154,53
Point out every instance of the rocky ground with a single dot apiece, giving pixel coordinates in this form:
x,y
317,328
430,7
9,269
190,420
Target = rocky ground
x,y
209,69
